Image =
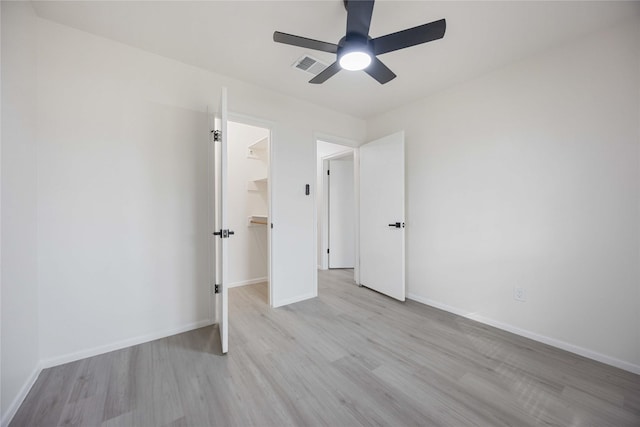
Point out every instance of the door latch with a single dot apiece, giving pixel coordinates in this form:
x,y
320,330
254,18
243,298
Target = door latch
x,y
397,225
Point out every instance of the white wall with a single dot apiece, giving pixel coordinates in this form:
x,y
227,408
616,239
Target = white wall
x,y
19,318
122,194
122,191
529,176
248,250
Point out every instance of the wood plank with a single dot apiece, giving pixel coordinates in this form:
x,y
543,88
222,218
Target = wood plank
x,y
349,357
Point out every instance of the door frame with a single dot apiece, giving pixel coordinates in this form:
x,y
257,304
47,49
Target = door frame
x,y
235,117
325,211
354,147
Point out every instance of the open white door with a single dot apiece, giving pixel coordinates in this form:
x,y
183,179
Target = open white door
x,y
221,222
382,216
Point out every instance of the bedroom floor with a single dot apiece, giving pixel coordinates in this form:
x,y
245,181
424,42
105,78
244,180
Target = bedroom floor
x,y
349,357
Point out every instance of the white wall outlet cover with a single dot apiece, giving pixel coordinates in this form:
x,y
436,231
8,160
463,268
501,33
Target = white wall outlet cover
x,y
520,294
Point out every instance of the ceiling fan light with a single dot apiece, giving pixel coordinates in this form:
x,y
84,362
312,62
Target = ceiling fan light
x,y
355,60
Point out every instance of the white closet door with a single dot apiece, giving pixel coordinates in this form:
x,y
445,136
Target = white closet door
x,y
221,228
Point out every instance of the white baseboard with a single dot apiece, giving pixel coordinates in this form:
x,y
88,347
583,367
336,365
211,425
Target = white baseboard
x,y
22,394
627,366
248,282
82,354
293,300
72,357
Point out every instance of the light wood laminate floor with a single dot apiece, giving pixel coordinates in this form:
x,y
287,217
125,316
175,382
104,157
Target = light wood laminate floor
x,y
347,358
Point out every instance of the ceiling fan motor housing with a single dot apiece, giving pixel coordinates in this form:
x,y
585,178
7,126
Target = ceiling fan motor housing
x,y
354,42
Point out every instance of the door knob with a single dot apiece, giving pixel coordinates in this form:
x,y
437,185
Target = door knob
x,y
224,233
395,225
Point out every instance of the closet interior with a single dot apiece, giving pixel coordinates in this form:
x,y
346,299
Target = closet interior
x,y
248,198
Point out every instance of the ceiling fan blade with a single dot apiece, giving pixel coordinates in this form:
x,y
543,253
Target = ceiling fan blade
x,y
359,16
324,75
304,42
379,71
410,37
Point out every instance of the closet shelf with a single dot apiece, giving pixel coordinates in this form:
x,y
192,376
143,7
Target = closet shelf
x,y
254,150
261,144
257,185
258,219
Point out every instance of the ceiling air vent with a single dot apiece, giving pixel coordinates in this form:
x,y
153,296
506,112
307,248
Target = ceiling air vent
x,y
309,64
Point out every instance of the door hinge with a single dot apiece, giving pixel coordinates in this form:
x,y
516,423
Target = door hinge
x,y
327,250
328,172
216,289
217,135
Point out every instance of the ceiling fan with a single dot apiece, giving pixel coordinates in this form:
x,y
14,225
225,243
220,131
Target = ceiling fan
x,y
357,51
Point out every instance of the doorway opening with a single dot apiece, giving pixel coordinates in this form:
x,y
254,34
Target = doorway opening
x,y
248,204
336,207
379,219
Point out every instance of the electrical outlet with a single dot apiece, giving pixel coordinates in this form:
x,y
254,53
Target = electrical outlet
x,y
519,294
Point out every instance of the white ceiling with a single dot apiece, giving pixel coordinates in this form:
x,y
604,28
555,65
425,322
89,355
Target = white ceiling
x,y
234,38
